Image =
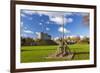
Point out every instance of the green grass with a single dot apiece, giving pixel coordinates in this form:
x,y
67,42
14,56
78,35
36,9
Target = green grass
x,y
39,53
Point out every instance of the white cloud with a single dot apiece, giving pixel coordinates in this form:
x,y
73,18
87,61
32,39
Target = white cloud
x,y
57,19
37,33
30,12
28,31
23,15
81,36
60,20
47,22
24,35
25,28
40,24
71,36
68,20
65,30
47,28
21,24
56,38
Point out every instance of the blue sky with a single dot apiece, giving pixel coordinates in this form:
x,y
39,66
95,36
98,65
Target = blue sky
x,y
32,22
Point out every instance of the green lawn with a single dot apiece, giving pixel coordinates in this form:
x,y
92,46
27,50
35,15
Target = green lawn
x,y
39,53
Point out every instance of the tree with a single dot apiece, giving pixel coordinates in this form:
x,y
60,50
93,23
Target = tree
x,y
26,41
85,40
45,42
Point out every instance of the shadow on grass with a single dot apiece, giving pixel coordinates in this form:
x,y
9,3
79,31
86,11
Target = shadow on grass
x,y
79,53
23,50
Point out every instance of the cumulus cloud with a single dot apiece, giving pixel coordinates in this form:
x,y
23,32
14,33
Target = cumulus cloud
x,y
47,28
25,28
68,20
23,15
28,31
29,12
48,22
57,17
21,24
61,20
37,33
23,35
65,30
40,24
56,38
